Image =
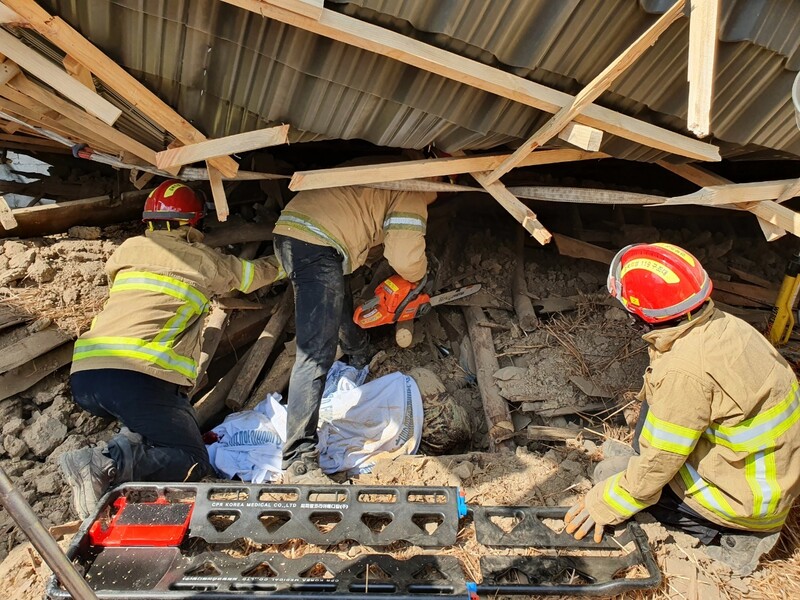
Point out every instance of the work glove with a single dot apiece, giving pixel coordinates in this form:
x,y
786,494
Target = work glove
x,y
579,522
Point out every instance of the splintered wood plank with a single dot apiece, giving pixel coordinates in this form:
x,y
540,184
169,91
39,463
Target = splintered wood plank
x,y
31,347
60,33
746,290
703,27
434,167
36,64
734,193
397,46
558,434
8,70
589,94
240,142
515,207
10,317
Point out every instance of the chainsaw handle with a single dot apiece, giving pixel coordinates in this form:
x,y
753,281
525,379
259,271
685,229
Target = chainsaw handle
x,y
409,297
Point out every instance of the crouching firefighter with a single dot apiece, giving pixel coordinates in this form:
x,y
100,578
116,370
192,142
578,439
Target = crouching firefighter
x,y
717,442
140,356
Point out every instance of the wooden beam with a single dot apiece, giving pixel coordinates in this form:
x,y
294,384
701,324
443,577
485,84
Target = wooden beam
x,y
589,94
473,73
515,207
218,193
60,33
7,219
240,142
238,233
583,195
79,72
704,178
734,193
57,218
36,64
117,138
790,191
568,246
20,379
582,136
307,8
9,16
434,167
778,215
703,28
31,347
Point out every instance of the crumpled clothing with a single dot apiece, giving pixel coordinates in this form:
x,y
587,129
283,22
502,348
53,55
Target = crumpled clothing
x,y
250,443
342,376
359,426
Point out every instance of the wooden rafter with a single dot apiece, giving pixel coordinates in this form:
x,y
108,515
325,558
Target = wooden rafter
x,y
240,142
589,94
703,27
473,73
36,64
218,193
734,193
582,136
79,72
39,94
705,178
60,33
415,169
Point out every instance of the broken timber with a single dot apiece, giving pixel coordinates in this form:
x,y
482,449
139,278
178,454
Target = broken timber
x,y
20,379
30,348
498,416
277,379
519,289
703,26
591,92
571,247
259,353
402,48
60,33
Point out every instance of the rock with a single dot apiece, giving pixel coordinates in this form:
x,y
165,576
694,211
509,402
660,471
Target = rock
x,y
60,409
464,470
15,468
11,275
509,373
23,260
616,314
14,446
589,446
41,271
12,248
48,395
71,296
557,422
82,257
3,262
49,483
73,442
81,232
44,435
573,467
39,325
13,426
9,408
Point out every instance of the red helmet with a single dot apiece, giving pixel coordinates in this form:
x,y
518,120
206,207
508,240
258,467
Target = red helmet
x,y
658,282
173,201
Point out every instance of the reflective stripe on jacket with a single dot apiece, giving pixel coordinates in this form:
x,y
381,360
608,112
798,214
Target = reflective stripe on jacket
x,y
354,219
160,287
722,428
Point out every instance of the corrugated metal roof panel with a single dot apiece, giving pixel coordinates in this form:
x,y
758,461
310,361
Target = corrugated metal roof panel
x,y
227,70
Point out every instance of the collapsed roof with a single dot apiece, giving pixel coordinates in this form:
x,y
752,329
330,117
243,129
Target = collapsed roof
x,y
228,70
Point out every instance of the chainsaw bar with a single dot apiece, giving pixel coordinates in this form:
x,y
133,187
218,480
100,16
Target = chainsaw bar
x,y
462,292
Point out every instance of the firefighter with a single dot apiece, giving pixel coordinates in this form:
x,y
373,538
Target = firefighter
x,y
718,437
140,356
321,237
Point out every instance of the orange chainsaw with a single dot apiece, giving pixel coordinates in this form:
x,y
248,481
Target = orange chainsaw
x,y
399,300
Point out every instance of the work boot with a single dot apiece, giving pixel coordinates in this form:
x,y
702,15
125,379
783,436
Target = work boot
x,y
742,551
306,471
89,473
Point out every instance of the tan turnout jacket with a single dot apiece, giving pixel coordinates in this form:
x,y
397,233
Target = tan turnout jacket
x,y
353,220
722,430
160,285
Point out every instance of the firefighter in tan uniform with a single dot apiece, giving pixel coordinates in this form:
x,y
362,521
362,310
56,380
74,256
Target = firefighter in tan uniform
x,y
717,446
142,350
320,238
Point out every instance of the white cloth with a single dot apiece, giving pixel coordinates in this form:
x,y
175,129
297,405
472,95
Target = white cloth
x,y
358,425
250,444
379,419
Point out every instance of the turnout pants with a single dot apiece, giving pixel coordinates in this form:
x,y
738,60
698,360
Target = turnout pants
x,y
160,440
323,316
